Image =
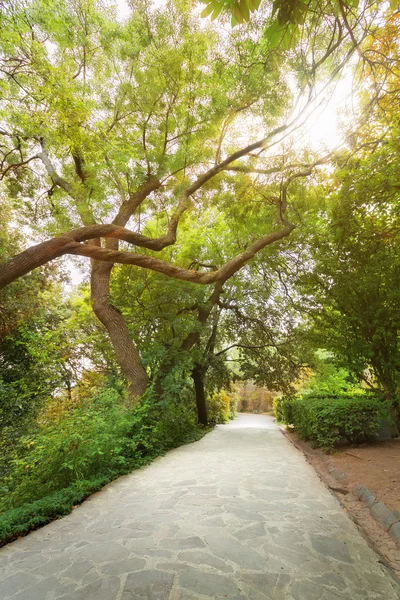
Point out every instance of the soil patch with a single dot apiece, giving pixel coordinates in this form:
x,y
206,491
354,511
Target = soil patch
x,y
377,467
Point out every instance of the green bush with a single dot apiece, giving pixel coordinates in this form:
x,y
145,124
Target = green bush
x,y
19,521
89,439
69,457
97,437
325,420
220,407
283,409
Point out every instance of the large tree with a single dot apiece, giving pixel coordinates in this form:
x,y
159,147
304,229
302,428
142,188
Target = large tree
x,y
145,124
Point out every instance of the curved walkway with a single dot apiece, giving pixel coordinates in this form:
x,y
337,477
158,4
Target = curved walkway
x,y
238,515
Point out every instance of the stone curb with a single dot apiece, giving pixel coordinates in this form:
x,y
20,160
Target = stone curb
x,y
390,520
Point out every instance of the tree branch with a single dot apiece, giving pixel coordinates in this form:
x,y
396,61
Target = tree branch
x,y
70,243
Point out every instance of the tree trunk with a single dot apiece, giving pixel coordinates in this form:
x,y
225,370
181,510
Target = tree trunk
x,y
117,329
125,350
197,375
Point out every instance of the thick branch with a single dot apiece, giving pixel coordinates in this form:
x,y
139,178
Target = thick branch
x,y
70,243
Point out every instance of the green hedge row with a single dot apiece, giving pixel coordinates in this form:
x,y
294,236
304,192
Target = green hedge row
x,y
62,462
19,521
326,420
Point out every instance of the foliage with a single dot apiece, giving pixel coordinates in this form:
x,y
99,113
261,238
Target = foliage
x,y
240,9
260,328
96,437
283,409
251,398
163,121
288,15
20,521
84,441
220,407
326,420
326,377
41,358
350,279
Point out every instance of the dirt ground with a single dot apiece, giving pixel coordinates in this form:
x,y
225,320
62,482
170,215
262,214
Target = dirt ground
x,y
378,468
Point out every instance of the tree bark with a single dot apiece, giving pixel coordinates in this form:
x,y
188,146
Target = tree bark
x,y
197,375
126,352
125,349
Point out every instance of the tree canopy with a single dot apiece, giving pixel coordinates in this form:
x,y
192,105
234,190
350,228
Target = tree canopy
x,y
173,147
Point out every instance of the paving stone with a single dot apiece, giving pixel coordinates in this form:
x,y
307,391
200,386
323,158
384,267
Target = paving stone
x,y
78,570
124,566
243,514
29,560
366,497
154,552
59,591
179,594
104,552
288,539
15,583
102,589
305,590
249,532
395,532
214,522
272,585
392,518
57,565
330,579
294,557
148,585
93,575
172,566
185,482
213,586
39,591
380,512
204,558
331,547
379,583
230,549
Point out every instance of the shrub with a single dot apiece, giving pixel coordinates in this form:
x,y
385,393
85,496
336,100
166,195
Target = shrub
x,y
87,440
283,409
95,438
74,452
220,407
19,521
174,422
325,420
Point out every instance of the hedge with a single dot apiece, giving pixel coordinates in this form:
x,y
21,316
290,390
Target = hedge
x,y
326,420
283,409
19,521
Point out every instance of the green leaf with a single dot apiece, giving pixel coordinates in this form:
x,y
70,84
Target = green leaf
x,y
217,11
244,9
274,34
238,13
254,4
208,10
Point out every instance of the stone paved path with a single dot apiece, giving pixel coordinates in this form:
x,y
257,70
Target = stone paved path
x,y
238,515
